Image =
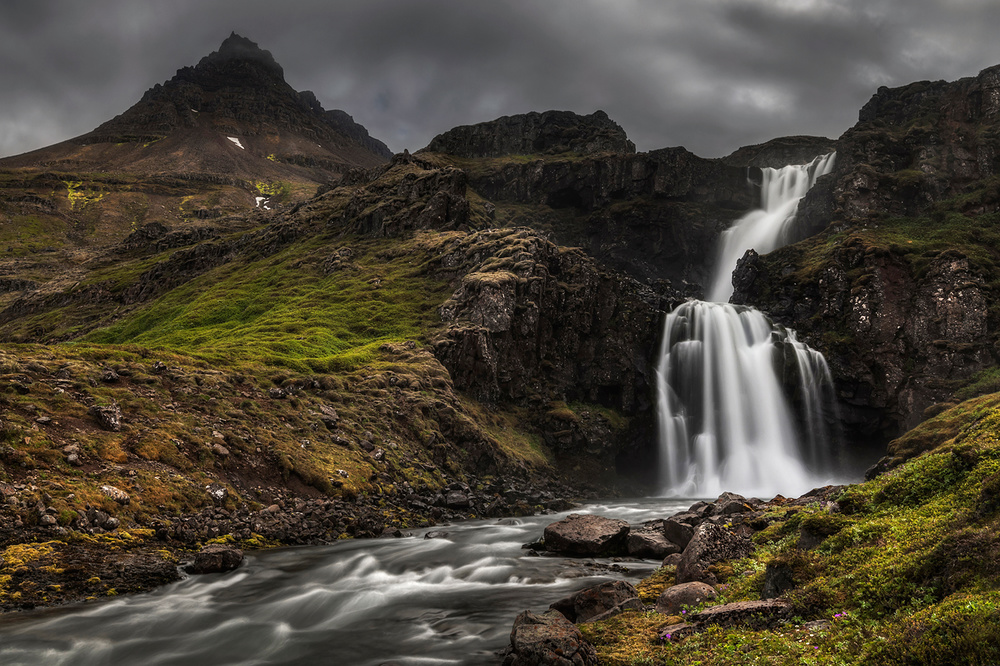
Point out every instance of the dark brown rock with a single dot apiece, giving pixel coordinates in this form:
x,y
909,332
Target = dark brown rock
x,y
216,558
675,632
650,542
535,133
710,544
586,536
548,640
593,601
678,532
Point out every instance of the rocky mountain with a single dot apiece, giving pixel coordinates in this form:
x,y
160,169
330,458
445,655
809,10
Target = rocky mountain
x,y
230,117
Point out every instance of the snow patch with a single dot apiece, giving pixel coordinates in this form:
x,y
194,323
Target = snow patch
x,y
259,199
236,141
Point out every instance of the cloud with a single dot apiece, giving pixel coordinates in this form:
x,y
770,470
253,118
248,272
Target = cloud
x,y
710,75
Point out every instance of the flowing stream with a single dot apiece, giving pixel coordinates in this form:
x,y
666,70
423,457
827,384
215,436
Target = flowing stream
x,y
743,406
407,601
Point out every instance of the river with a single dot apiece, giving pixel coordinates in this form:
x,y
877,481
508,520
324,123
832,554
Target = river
x,y
406,601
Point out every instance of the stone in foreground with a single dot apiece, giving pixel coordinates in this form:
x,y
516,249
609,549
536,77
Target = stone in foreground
x,y
548,640
676,598
756,614
587,536
710,544
594,601
216,558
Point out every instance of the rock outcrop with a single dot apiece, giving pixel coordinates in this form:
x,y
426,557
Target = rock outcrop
x,y
535,133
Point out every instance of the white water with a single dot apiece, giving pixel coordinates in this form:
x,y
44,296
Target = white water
x,y
408,601
743,405
768,227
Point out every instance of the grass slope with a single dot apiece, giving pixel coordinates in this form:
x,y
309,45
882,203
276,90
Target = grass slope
x,y
286,310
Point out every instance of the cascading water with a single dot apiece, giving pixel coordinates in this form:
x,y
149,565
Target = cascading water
x,y
769,227
743,405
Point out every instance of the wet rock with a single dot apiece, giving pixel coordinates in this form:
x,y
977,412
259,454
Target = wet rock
x,y
436,534
216,558
587,536
676,598
596,600
548,639
710,544
47,521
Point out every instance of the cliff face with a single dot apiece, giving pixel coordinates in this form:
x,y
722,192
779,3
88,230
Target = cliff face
x,y
898,287
654,216
535,133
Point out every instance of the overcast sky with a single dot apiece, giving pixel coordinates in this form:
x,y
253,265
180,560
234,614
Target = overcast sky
x,y
710,75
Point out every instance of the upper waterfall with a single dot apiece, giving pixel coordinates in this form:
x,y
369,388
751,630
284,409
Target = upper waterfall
x,y
768,227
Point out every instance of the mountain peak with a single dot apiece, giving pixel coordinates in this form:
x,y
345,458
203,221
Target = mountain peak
x,y
232,115
239,48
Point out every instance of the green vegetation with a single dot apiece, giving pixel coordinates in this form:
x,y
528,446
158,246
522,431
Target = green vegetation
x,y
905,574
282,310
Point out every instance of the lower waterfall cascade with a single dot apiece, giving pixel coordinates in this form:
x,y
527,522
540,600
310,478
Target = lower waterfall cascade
x,y
743,405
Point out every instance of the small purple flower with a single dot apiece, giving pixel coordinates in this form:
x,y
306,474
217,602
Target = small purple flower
x,y
683,612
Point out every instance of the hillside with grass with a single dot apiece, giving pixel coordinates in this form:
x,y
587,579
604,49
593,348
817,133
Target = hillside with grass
x,y
900,569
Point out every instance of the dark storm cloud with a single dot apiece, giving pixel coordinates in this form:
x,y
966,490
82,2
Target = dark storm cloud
x,y
710,75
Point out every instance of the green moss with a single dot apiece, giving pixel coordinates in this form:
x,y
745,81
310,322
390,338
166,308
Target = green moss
x,y
279,312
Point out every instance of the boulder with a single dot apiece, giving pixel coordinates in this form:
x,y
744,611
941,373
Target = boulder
x,y
730,503
678,532
593,601
757,614
710,544
650,542
216,558
587,536
676,598
548,639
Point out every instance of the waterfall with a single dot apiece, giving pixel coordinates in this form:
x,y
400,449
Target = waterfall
x,y
768,227
743,405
